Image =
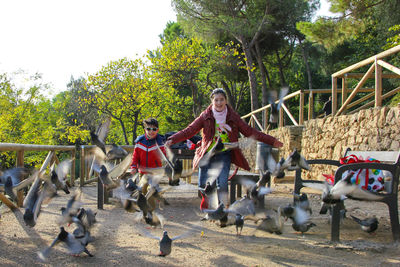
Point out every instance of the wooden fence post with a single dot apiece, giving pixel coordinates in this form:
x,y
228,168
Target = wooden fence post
x,y
83,167
378,84
334,95
301,109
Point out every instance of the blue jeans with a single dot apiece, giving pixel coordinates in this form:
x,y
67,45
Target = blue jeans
x,y
222,180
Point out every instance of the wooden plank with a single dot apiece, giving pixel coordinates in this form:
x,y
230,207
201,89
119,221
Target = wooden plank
x,y
257,122
17,147
47,160
301,109
266,114
20,158
351,96
360,75
344,89
289,114
73,168
378,85
385,156
281,119
310,105
367,61
388,94
334,95
269,105
82,170
20,163
358,101
389,66
7,202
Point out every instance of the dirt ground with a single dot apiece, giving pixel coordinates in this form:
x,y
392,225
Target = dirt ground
x,y
118,243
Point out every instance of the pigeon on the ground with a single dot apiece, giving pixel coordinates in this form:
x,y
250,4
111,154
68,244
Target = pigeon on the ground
x,y
74,246
303,227
368,225
272,225
165,240
239,222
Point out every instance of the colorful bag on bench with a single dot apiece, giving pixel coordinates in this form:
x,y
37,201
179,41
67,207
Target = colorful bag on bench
x,y
368,179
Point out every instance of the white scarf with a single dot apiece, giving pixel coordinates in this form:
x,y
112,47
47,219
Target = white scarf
x,y
220,119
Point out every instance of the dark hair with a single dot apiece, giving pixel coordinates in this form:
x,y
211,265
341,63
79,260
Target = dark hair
x,y
150,121
218,91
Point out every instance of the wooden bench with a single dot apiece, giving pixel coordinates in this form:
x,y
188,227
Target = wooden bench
x,y
389,161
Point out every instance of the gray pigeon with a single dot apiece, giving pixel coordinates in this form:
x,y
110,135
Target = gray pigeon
x,y
302,202
11,178
303,227
58,174
275,107
100,135
165,240
216,215
368,225
239,222
72,209
116,152
295,161
75,247
272,225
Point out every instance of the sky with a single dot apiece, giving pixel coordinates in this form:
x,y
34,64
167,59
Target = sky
x,y
60,38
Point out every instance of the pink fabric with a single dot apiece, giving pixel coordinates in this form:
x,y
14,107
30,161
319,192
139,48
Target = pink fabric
x,y
220,119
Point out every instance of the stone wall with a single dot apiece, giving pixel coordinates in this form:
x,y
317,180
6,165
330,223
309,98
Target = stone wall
x,y
328,138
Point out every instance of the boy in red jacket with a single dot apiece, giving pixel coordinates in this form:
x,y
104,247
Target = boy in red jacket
x,y
146,154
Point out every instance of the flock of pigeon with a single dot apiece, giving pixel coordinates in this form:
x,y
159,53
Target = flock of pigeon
x,y
143,195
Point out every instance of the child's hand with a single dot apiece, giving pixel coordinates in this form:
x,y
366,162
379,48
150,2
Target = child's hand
x,y
277,144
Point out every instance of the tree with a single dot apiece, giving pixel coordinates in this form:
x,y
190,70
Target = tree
x,y
355,19
120,91
178,67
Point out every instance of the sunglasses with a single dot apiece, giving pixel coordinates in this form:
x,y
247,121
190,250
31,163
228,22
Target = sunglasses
x,y
149,129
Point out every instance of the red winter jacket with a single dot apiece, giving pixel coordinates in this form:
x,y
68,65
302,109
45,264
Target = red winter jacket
x,y
146,154
206,122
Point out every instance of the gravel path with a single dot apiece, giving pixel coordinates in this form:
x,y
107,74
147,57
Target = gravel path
x,y
117,242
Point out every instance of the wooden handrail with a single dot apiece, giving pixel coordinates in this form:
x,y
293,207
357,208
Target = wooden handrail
x,y
367,61
28,147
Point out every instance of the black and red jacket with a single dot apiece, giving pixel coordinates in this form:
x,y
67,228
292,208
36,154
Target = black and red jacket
x,y
146,154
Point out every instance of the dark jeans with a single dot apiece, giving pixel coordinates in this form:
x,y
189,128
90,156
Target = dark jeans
x,y
222,180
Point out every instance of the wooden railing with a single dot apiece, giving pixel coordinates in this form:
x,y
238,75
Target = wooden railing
x,y
20,150
86,169
376,66
347,100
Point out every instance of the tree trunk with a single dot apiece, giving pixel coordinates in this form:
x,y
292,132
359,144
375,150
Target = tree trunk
x,y
230,99
250,73
264,100
135,126
280,67
305,58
